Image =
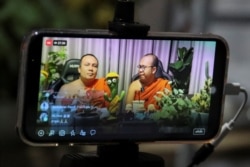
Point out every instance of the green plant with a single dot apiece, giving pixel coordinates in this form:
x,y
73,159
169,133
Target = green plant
x,y
203,98
181,68
54,64
175,105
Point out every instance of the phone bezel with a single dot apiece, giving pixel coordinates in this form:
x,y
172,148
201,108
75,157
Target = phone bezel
x,y
30,72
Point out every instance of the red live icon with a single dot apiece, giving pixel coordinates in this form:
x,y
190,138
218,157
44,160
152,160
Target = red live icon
x,y
49,42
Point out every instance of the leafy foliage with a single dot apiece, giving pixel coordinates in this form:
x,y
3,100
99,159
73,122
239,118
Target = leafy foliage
x,y
181,68
203,98
54,65
175,105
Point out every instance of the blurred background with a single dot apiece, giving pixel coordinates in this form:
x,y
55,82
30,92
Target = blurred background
x,y
227,18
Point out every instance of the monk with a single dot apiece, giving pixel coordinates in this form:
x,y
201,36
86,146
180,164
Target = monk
x,y
148,84
87,89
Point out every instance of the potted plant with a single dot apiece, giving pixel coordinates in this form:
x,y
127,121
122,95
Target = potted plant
x,y
175,107
54,64
181,68
178,108
203,97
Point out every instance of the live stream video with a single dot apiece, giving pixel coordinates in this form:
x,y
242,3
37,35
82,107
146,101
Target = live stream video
x,y
105,86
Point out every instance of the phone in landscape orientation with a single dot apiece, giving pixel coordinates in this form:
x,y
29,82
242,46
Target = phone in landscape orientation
x,y
188,109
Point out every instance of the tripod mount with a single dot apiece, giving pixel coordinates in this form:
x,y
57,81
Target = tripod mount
x,y
123,23
113,155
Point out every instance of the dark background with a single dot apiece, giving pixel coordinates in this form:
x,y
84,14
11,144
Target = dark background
x,y
228,18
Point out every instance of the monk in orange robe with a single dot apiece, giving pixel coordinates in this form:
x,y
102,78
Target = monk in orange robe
x,y
147,93
87,89
146,86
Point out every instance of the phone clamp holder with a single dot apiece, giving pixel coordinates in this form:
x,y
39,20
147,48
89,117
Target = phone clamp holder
x,y
123,23
113,155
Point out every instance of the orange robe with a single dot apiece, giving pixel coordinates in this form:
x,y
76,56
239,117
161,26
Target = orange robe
x,y
149,92
96,93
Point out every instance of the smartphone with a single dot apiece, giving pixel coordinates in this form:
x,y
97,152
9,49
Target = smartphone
x,y
193,65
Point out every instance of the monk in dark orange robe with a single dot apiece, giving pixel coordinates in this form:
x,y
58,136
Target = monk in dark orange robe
x,y
87,89
148,92
146,86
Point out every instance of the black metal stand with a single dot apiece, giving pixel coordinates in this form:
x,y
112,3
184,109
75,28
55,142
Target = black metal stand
x,y
115,155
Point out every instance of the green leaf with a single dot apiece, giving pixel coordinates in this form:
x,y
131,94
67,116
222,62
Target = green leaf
x,y
177,65
181,102
175,91
181,53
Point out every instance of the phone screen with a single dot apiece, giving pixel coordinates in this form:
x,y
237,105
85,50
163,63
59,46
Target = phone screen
x,y
104,88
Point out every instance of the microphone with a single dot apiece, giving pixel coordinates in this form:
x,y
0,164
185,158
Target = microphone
x,y
142,89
